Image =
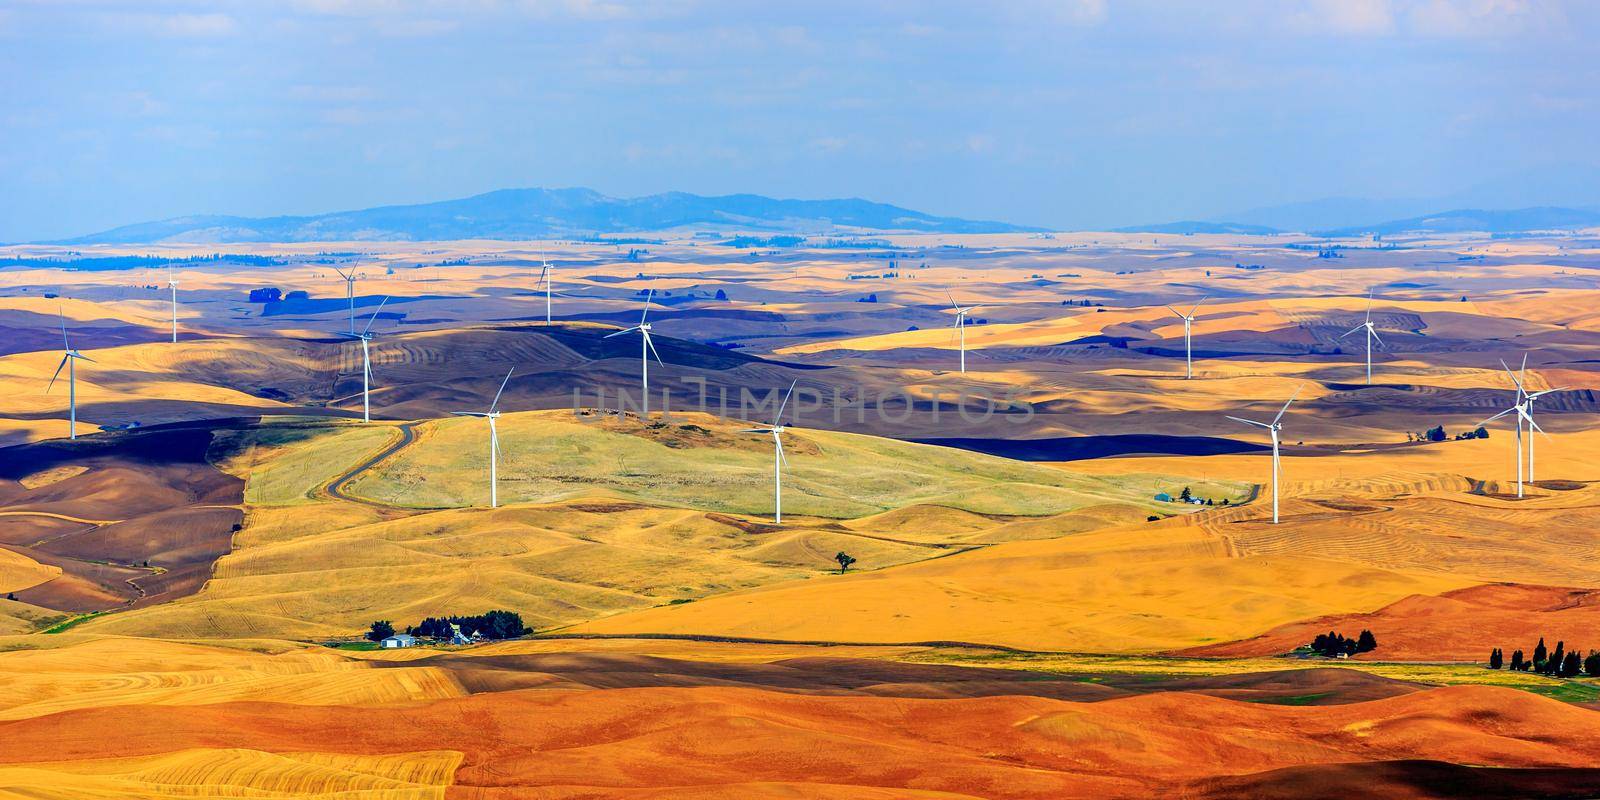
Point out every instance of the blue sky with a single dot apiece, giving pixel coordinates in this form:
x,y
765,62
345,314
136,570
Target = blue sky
x,y
1070,114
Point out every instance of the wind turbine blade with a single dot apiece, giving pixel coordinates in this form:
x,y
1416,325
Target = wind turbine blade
x,y
501,390
86,358
1352,330
1369,305
953,303
1251,422
756,430
469,413
1197,305
1547,391
1514,378
1175,312
1536,427
1495,417
1286,403
65,345
1377,338
647,298
52,383
778,440
652,346
778,420
341,273
619,333
374,316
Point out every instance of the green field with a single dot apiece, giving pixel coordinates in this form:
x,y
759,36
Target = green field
x,y
550,456
1575,690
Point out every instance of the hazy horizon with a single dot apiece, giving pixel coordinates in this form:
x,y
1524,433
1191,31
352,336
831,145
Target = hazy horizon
x,y
1068,115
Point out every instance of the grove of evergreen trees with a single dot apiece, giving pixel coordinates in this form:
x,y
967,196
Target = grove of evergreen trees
x,y
491,625
1560,663
1332,643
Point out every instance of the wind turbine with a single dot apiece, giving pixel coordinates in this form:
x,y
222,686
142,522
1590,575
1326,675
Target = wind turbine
x,y
546,273
1372,333
961,327
779,461
1274,428
350,293
172,283
494,440
646,349
1188,347
365,337
69,359
1523,407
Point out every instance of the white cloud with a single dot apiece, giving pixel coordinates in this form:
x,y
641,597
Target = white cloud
x,y
1344,17
200,25
1476,18
1423,18
415,27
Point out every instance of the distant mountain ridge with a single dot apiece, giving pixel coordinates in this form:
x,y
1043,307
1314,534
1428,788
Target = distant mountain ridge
x,y
1199,226
538,213
1462,220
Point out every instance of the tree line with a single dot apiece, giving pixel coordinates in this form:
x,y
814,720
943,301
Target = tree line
x,y
490,625
1332,644
1562,663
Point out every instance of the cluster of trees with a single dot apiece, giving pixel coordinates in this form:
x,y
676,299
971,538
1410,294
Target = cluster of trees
x,y
1187,496
491,625
1332,643
845,560
266,294
103,263
1084,303
1562,663
1437,434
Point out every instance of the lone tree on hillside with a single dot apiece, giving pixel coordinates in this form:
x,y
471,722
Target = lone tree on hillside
x,y
1494,659
1540,655
845,560
1185,495
381,629
1366,642
1591,665
1516,660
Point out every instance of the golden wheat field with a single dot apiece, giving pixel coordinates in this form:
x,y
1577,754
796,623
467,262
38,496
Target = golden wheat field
x,y
202,571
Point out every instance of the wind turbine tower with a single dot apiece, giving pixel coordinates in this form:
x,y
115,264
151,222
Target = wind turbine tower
x,y
779,461
1372,334
1523,408
546,273
172,283
492,415
646,349
365,337
1275,427
961,327
69,359
350,293
1188,330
